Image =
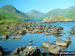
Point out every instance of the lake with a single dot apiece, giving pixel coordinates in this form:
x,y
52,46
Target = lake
x,y
38,39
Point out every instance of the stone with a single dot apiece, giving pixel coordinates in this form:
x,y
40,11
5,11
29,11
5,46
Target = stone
x,y
22,32
13,37
16,32
30,44
1,51
52,47
55,50
61,42
17,37
67,39
48,44
47,33
5,37
27,51
30,41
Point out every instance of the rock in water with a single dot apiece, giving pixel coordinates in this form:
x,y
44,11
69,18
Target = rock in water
x,y
27,51
47,33
22,32
61,42
67,39
52,47
13,37
55,50
17,37
48,44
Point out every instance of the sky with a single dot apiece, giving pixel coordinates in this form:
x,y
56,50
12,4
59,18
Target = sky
x,y
39,5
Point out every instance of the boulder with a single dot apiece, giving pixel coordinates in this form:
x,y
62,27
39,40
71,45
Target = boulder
x,y
55,49
27,51
16,32
30,41
13,37
22,32
1,51
49,26
68,39
30,44
17,37
5,37
47,33
47,44
52,47
61,42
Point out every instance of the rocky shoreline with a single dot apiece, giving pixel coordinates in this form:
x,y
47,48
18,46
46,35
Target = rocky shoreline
x,y
33,28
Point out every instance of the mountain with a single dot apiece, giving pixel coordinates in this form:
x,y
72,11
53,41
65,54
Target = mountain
x,y
66,13
70,12
35,14
55,12
11,12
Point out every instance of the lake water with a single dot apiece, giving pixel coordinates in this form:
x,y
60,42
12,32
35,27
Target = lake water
x,y
33,20
38,39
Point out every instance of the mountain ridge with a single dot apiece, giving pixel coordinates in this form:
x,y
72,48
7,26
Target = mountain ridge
x,y
35,14
9,11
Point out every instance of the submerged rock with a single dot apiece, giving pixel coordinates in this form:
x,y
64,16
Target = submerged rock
x,y
30,41
30,44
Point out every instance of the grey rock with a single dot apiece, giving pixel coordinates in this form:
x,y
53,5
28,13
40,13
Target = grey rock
x,y
61,42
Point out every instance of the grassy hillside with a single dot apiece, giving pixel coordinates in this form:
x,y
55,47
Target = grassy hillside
x,y
9,12
67,13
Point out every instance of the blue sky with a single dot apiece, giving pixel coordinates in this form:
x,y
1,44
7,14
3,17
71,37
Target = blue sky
x,y
40,5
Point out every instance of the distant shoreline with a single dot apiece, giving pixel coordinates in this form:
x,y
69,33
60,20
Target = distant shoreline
x,y
58,21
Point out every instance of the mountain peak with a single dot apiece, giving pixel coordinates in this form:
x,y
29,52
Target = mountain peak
x,y
8,6
13,12
35,13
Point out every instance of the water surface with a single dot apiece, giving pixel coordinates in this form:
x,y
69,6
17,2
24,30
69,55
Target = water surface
x,y
38,39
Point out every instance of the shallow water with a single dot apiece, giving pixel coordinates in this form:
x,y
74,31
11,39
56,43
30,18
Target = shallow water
x,y
38,39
